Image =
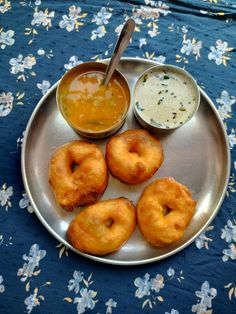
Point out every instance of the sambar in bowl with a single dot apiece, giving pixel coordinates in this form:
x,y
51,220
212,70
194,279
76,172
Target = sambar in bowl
x,y
90,108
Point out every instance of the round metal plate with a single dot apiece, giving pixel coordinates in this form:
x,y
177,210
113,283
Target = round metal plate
x,y
197,155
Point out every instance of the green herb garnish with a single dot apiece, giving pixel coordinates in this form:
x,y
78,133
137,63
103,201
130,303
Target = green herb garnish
x,y
166,77
145,78
137,104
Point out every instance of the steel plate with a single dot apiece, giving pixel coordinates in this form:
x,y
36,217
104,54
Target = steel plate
x,y
197,155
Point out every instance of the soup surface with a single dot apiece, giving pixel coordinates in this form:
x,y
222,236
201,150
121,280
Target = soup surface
x,y
165,98
90,106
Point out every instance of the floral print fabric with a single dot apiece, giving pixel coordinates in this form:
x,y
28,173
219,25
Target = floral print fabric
x,y
39,41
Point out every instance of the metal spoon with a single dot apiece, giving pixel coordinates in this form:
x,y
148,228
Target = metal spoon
x,y
121,44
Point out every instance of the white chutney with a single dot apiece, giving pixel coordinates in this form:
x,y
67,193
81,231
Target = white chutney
x,y
166,97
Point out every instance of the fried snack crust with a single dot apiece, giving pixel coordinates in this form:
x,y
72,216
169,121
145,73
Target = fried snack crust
x,y
134,156
77,174
104,227
164,211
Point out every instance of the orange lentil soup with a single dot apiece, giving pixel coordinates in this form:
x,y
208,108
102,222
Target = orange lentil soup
x,y
90,106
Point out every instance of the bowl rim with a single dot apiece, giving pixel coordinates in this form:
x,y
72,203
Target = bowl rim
x,y
99,66
175,68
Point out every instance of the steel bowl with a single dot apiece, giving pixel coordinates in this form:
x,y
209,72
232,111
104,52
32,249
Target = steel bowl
x,y
90,67
149,125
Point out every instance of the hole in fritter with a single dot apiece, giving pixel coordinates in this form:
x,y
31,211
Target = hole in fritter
x,y
134,148
109,223
74,166
166,210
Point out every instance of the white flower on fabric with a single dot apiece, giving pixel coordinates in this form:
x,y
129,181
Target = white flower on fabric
x,y
144,286
17,64
24,203
28,269
146,12
68,22
110,304
43,18
223,112
41,52
37,2
99,32
184,29
5,194
154,31
161,59
226,100
170,272
86,301
157,283
2,287
142,42
28,62
203,239
6,38
161,7
200,241
20,63
32,301
73,61
229,232
191,47
102,17
229,253
147,286
5,6
215,55
6,104
218,52
221,45
44,86
206,295
74,284
74,11
232,138
199,308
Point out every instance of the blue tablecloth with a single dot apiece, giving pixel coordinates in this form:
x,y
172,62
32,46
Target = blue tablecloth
x,y
39,41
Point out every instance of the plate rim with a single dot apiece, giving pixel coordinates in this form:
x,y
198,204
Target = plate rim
x,y
104,259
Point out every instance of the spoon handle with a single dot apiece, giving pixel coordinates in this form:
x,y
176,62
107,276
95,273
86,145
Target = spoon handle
x,y
121,44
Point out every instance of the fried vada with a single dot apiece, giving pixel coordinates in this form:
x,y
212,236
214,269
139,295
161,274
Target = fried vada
x,y
77,174
164,210
134,156
104,227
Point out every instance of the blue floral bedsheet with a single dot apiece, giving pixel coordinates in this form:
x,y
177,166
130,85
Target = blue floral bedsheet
x,y
39,41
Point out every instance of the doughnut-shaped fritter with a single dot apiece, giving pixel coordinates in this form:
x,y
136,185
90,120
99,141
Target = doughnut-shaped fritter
x,y
134,156
164,211
77,174
104,227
